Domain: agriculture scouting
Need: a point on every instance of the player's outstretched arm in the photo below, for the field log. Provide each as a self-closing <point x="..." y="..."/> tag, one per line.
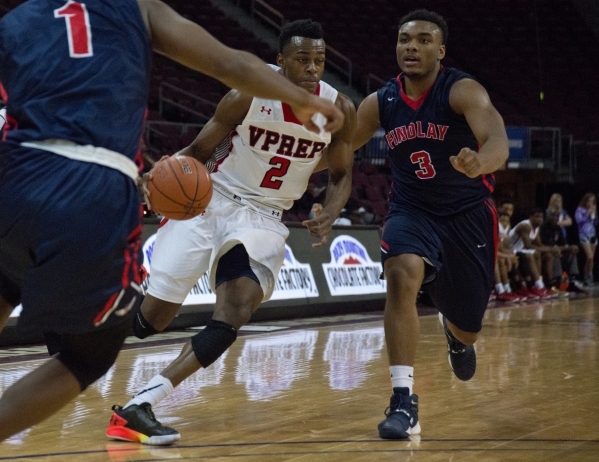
<point x="189" y="44"/>
<point x="469" y="98"/>
<point x="368" y="121"/>
<point x="340" y="160"/>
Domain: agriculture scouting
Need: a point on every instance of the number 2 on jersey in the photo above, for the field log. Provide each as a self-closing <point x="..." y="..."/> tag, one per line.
<point x="282" y="165"/>
<point x="423" y="159"/>
<point x="79" y="32"/>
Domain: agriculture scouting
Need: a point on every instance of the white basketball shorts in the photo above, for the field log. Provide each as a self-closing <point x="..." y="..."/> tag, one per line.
<point x="185" y="250"/>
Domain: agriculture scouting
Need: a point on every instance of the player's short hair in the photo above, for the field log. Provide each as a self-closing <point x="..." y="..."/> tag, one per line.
<point x="299" y="28"/>
<point x="430" y="16"/>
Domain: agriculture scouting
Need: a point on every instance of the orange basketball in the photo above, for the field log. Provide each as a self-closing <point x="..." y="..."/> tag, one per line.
<point x="180" y="188"/>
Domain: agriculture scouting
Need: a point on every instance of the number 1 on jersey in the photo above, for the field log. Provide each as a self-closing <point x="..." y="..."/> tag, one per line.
<point x="79" y="32"/>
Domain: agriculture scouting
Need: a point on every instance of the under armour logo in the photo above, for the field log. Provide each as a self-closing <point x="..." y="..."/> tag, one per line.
<point x="274" y="212"/>
<point x="268" y="111"/>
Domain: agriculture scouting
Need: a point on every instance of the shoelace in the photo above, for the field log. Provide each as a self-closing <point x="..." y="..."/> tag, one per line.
<point x="150" y="413"/>
<point x="393" y="409"/>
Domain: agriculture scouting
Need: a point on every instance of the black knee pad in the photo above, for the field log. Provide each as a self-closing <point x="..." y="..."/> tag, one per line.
<point x="233" y="265"/>
<point x="209" y="344"/>
<point x="89" y="355"/>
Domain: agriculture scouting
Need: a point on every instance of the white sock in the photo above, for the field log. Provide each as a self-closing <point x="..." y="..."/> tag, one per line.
<point x="402" y="376"/>
<point x="539" y="283"/>
<point x="499" y="288"/>
<point x="507" y="288"/>
<point x="155" y="391"/>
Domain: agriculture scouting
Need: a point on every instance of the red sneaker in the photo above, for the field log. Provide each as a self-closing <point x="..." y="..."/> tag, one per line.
<point x="525" y="294"/>
<point x="542" y="293"/>
<point x="508" y="298"/>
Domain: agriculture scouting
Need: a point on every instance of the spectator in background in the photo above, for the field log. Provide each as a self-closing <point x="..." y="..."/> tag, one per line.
<point x="506" y="206"/>
<point x="586" y="220"/>
<point x="524" y="239"/>
<point x="363" y="216"/>
<point x="506" y="263"/>
<point x="556" y="203"/>
<point x="551" y="236"/>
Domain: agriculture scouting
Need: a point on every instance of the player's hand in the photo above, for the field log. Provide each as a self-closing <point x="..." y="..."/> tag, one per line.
<point x="467" y="162"/>
<point x="320" y="226"/>
<point x="334" y="116"/>
<point x="142" y="184"/>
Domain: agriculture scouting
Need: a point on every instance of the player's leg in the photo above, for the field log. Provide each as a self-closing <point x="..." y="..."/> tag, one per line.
<point x="462" y="288"/>
<point x="406" y="241"/>
<point x="36" y="396"/>
<point x="78" y="361"/>
<point x="240" y="283"/>
<point x="589" y="256"/>
<point x="61" y="291"/>
<point x="180" y="257"/>
<point x="238" y="294"/>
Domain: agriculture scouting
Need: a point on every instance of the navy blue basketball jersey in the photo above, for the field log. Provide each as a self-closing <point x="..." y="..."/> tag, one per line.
<point x="422" y="135"/>
<point x="85" y="49"/>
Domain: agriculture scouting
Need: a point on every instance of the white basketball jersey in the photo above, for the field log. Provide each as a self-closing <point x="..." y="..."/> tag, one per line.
<point x="270" y="156"/>
<point x="516" y="240"/>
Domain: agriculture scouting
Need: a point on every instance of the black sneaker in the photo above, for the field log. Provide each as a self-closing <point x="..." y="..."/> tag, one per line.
<point x="138" y="424"/>
<point x="462" y="358"/>
<point x="575" y="289"/>
<point x="402" y="416"/>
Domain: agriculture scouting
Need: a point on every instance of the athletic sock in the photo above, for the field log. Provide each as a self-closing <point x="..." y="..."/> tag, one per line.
<point x="402" y="376"/>
<point x="155" y="391"/>
<point x="507" y="288"/>
<point x="499" y="288"/>
<point x="539" y="283"/>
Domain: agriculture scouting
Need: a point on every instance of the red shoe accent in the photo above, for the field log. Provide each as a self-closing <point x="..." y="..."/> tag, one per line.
<point x="508" y="298"/>
<point x="527" y="294"/>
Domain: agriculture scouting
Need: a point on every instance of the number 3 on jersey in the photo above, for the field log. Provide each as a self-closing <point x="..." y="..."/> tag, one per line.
<point x="281" y="166"/>
<point x="423" y="159"/>
<point x="79" y="32"/>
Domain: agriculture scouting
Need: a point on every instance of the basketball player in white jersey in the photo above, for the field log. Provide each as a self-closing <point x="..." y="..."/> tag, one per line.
<point x="263" y="163"/>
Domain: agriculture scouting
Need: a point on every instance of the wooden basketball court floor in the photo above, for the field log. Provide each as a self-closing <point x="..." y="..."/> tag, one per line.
<point x="315" y="389"/>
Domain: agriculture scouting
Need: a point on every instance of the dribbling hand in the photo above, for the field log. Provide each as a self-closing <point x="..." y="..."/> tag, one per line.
<point x="467" y="162"/>
<point x="142" y="184"/>
<point x="319" y="226"/>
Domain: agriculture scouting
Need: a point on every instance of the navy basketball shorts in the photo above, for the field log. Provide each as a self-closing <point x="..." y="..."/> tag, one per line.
<point x="461" y="250"/>
<point x="69" y="241"/>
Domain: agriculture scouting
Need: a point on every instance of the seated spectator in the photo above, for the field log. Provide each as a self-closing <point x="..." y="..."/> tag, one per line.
<point x="506" y="206"/>
<point x="556" y="203"/>
<point x="551" y="236"/>
<point x="363" y="216"/>
<point x="586" y="219"/>
<point x="524" y="239"/>
<point x="506" y="263"/>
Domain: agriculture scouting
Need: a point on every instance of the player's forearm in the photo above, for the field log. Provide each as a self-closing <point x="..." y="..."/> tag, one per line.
<point x="493" y="153"/>
<point x="337" y="193"/>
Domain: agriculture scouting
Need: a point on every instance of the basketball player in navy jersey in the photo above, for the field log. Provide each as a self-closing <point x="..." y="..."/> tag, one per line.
<point x="267" y="160"/>
<point x="77" y="78"/>
<point x="445" y="139"/>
